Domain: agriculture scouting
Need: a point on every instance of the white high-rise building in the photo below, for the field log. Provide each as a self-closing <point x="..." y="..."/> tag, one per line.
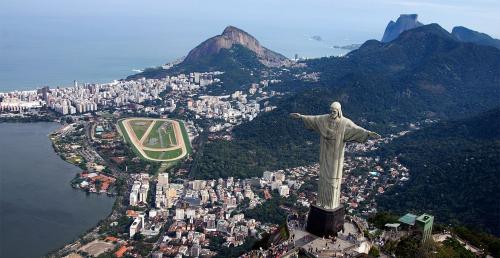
<point x="143" y="194"/>
<point x="179" y="214"/>
<point x="190" y="213"/>
<point x="163" y="180"/>
<point x="268" y="175"/>
<point x="133" y="198"/>
<point x="135" y="227"/>
<point x="279" y="176"/>
<point x="204" y="196"/>
<point x="162" y="187"/>
<point x="276" y="185"/>
<point x="284" y="190"/>
<point x="134" y="193"/>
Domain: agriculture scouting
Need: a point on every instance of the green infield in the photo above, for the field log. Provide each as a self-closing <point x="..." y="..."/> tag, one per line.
<point x="171" y="154"/>
<point x="185" y="137"/>
<point x="140" y="127"/>
<point x="161" y="140"/>
<point x="125" y="135"/>
<point x="161" y="136"/>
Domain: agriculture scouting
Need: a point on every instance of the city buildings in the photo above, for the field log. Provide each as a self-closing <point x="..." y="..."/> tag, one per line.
<point x="139" y="192"/>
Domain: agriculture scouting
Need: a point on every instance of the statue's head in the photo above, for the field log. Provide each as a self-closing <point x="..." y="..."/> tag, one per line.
<point x="336" y="109"/>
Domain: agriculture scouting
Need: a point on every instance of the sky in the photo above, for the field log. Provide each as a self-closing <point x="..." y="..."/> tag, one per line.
<point x="363" y="15"/>
<point x="52" y="41"/>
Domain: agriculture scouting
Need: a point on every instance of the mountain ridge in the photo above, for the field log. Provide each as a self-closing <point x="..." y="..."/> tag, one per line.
<point x="467" y="35"/>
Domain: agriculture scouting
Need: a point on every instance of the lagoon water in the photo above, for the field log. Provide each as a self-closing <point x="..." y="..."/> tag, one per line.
<point x="39" y="211"/>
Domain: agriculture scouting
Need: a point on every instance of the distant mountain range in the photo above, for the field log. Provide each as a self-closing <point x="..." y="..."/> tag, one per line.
<point x="409" y="21"/>
<point x="236" y="51"/>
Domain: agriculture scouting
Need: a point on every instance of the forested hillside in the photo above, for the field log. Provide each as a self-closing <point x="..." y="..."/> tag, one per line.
<point x="454" y="172"/>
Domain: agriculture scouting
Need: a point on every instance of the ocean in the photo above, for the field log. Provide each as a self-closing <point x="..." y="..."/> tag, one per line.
<point x="55" y="50"/>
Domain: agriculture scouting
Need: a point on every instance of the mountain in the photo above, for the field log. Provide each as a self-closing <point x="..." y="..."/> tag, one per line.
<point x="240" y="65"/>
<point x="235" y="52"/>
<point x="424" y="73"/>
<point x="467" y="35"/>
<point x="453" y="172"/>
<point x="233" y="36"/>
<point x="403" y="23"/>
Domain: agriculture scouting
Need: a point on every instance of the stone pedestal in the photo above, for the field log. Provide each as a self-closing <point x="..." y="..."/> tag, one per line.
<point x="325" y="222"/>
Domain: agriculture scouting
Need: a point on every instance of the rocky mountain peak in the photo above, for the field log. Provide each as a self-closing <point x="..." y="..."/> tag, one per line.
<point x="229" y="30"/>
<point x="403" y="23"/>
<point x="232" y="36"/>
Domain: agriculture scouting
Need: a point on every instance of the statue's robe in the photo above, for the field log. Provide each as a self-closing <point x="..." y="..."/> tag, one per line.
<point x="334" y="134"/>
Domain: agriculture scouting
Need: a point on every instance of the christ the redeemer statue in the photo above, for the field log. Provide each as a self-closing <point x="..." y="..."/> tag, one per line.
<point x="334" y="130"/>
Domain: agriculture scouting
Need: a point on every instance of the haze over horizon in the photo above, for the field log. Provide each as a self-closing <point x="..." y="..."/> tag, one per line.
<point x="55" y="42"/>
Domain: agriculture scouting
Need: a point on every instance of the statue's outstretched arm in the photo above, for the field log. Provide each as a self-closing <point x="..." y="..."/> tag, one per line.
<point x="310" y="122"/>
<point x="295" y="115"/>
<point x="357" y="133"/>
<point x="374" y="135"/>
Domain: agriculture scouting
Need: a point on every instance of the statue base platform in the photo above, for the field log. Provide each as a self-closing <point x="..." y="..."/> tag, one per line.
<point x="325" y="222"/>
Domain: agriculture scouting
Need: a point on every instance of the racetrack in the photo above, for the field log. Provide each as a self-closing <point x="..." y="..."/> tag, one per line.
<point x="139" y="143"/>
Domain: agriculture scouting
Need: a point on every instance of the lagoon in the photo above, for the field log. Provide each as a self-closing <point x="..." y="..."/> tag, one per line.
<point x="39" y="210"/>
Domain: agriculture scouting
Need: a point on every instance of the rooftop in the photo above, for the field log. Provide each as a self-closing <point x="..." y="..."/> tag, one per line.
<point x="408" y="219"/>
<point x="425" y="217"/>
<point x="392" y="225"/>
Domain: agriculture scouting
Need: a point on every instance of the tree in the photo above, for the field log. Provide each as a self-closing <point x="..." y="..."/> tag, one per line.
<point x="374" y="251"/>
<point x="381" y="218"/>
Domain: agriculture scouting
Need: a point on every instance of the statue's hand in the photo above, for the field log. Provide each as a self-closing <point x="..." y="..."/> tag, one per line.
<point x="295" y="115"/>
<point x="374" y="135"/>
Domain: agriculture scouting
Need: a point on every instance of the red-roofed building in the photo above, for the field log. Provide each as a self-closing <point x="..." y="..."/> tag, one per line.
<point x="118" y="160"/>
<point x="111" y="239"/>
<point x="104" y="186"/>
<point x="267" y="195"/>
<point x="132" y="214"/>
<point x="123" y="249"/>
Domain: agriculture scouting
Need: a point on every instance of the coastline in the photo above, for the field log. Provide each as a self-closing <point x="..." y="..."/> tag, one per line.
<point x="86" y="139"/>
<point x="60" y="251"/>
<point x="26" y="120"/>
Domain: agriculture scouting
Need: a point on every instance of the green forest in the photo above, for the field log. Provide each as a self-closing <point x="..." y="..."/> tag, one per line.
<point x="453" y="172"/>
